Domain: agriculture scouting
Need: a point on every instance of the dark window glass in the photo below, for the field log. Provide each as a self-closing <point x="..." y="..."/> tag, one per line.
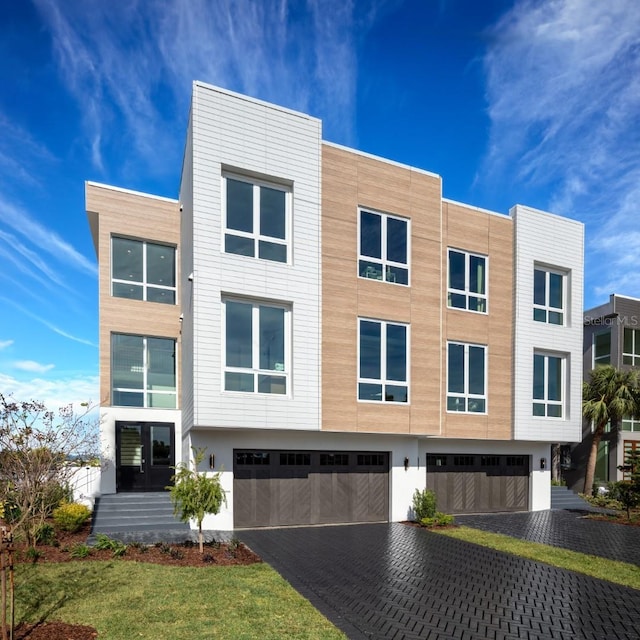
<point x="334" y="459"/>
<point x="463" y="461"/>
<point x="239" y="205"/>
<point x="397" y="240"/>
<point x="239" y="335"/>
<point x="370" y="340"/>
<point x="538" y="377"/>
<point x="539" y="287"/>
<point x="371" y="459"/>
<point x="295" y="459"/>
<point x="456" y="270"/>
<point x="271" y="338"/>
<point x="127" y="257"/>
<point x="370" y="235"/>
<point x="476" y="370"/>
<point x="272" y="213"/>
<point x="253" y="457"/>
<point x="396" y="352"/>
<point x="437" y="461"/>
<point x="455" y="379"/>
<point x="161" y="265"/>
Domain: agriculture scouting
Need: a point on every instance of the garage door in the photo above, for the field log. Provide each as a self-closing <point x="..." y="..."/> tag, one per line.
<point x="276" y="488"/>
<point x="466" y="483"/>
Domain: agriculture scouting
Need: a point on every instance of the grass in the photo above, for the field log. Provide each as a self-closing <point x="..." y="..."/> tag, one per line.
<point x="125" y="600"/>
<point x="621" y="573"/>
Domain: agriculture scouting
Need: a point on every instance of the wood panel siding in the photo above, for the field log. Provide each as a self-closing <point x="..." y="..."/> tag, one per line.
<point x="351" y="180"/>
<point x="117" y="212"/>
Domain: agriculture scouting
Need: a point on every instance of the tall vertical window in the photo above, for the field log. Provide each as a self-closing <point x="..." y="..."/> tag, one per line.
<point x="467" y="281"/>
<point x="143" y="371"/>
<point x="602" y="348"/>
<point x="466" y="377"/>
<point x="548" y="385"/>
<point x="383" y="349"/>
<point x="256" y="219"/>
<point x="548" y="296"/>
<point x="631" y="347"/>
<point x="384" y="248"/>
<point x="143" y="270"/>
<point x="256" y="347"/>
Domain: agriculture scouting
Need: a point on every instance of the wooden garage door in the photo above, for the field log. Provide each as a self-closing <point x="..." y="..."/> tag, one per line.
<point x="477" y="483"/>
<point x="277" y="488"/>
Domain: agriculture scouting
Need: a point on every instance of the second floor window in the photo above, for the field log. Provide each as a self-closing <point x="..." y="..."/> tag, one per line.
<point x="466" y="377"/>
<point x="631" y="347"/>
<point x="143" y="270"/>
<point x="548" y="385"/>
<point x="256" y="347"/>
<point x="143" y="371"/>
<point x="256" y="219"/>
<point x="548" y="296"/>
<point x="467" y="281"/>
<point x="384" y="247"/>
<point x="383" y="350"/>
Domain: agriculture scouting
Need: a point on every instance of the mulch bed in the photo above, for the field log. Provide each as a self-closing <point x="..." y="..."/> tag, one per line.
<point x="184" y="555"/>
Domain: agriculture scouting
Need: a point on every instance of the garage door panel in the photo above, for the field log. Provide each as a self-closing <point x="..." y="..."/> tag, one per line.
<point x="479" y="483"/>
<point x="309" y="487"/>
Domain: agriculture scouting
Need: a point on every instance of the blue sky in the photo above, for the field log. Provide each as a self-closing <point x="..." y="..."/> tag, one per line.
<point x="523" y="101"/>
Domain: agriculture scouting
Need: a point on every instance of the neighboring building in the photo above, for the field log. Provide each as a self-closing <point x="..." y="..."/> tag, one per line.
<point x="611" y="336"/>
<point x="333" y="331"/>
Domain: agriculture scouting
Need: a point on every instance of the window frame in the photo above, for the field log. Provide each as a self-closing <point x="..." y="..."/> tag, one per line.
<point x="466" y="292"/>
<point x="546" y="307"/>
<point x="255" y="370"/>
<point x="144" y="283"/>
<point x="255" y="235"/>
<point x="145" y="391"/>
<point x="384" y="380"/>
<point x="385" y="263"/>
<point x="596" y="360"/>
<point x="635" y="339"/>
<point x="466" y="395"/>
<point x="546" y="402"/>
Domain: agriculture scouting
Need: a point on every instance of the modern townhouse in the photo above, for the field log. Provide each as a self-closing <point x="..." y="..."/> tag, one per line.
<point x="611" y="336"/>
<point x="331" y="329"/>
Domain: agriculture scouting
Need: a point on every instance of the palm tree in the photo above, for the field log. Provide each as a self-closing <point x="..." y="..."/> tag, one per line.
<point x="608" y="396"/>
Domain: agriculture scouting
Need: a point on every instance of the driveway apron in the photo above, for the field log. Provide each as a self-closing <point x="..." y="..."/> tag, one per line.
<point x="393" y="581"/>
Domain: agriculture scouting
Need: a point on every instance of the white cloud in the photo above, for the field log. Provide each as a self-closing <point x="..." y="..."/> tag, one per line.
<point x="130" y="65"/>
<point x="32" y="366"/>
<point x="52" y="393"/>
<point x="563" y="90"/>
<point x="5" y="343"/>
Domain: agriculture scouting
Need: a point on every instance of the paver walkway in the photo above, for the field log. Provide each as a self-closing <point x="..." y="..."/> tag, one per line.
<point x="566" y="529"/>
<point x="392" y="581"/>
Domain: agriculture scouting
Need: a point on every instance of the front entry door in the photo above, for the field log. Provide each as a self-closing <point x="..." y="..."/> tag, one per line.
<point x="145" y="455"/>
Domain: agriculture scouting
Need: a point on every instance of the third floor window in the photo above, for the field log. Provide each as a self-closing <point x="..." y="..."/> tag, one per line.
<point x="548" y="296"/>
<point x="467" y="281"/>
<point x="384" y="248"/>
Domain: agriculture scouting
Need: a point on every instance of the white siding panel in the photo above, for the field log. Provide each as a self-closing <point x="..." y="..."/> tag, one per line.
<point x="543" y="238"/>
<point x="256" y="138"/>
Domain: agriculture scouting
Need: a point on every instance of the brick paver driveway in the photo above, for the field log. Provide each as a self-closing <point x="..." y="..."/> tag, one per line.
<point x="388" y="581"/>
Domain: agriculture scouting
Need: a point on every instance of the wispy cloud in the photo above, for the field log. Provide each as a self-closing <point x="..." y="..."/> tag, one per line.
<point x="47" y="323"/>
<point x="32" y="366"/>
<point x="5" y="343"/>
<point x="131" y="65"/>
<point x="563" y="90"/>
<point x="53" y="393"/>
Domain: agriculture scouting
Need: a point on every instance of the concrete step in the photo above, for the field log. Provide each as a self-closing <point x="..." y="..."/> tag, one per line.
<point x="131" y="512"/>
<point x="564" y="498"/>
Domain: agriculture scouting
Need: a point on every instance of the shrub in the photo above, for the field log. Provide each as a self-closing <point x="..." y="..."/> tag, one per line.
<point x="46" y="534"/>
<point x="438" y="519"/>
<point x="80" y="551"/>
<point x="424" y="504"/>
<point x="104" y="542"/>
<point x="33" y="555"/>
<point x="71" y="516"/>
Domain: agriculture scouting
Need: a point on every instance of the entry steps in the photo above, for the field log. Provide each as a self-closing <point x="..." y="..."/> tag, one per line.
<point x="120" y="513"/>
<point x="564" y="498"/>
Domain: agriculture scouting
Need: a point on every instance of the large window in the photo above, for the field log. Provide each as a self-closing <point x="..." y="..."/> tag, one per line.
<point x="257" y="219"/>
<point x="143" y="270"/>
<point x="631" y="347"/>
<point x="383" y="361"/>
<point x="602" y="348"/>
<point x="256" y="347"/>
<point x="384" y="248"/>
<point x="467" y="281"/>
<point x="630" y="424"/>
<point x="143" y="371"/>
<point x="466" y="377"/>
<point x="548" y="296"/>
<point x="548" y="385"/>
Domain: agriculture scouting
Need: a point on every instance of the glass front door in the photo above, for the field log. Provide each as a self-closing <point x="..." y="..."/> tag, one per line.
<point x="145" y="455"/>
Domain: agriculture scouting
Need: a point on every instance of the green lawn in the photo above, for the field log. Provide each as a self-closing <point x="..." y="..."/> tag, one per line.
<point x="622" y="573"/>
<point x="124" y="600"/>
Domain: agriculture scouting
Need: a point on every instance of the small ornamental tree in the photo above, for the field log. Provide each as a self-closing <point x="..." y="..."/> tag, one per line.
<point x="628" y="491"/>
<point x="38" y="448"/>
<point x="195" y="494"/>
